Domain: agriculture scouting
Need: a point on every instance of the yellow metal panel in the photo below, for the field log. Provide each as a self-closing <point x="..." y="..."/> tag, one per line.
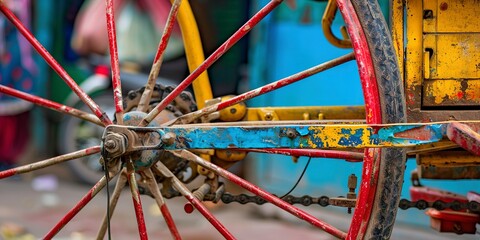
<point x="449" y="92"/>
<point x="414" y="56"/>
<point x="455" y="56"/>
<point x="452" y="16"/>
<point x="194" y="52"/>
<point x="398" y="31"/>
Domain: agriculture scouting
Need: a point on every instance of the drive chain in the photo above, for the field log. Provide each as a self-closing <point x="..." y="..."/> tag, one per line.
<point x="471" y="206"/>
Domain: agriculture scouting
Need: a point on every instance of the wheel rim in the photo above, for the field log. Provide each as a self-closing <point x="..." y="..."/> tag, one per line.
<point x="367" y="74"/>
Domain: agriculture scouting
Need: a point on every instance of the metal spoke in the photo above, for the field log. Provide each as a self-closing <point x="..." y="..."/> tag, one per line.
<point x="154" y="189"/>
<point x="179" y="186"/>
<point x="187" y="118"/>
<point x="49" y="162"/>
<point x="121" y="182"/>
<point x="51" y="105"/>
<point x="79" y="206"/>
<point x="211" y="59"/>
<point x="137" y="203"/>
<point x="55" y="65"/>
<point x="262" y="193"/>
<point x="157" y="62"/>
<point x="116" y="83"/>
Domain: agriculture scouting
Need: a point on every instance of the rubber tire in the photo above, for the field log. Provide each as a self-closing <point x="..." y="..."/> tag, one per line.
<point x="390" y="90"/>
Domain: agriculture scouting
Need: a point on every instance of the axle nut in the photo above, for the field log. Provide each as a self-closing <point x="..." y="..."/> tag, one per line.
<point x="115" y="144"/>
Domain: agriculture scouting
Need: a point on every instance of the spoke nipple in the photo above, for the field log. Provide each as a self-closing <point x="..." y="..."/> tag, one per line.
<point x="188" y="208"/>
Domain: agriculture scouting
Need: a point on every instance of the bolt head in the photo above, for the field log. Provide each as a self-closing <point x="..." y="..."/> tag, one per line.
<point x="168" y="139"/>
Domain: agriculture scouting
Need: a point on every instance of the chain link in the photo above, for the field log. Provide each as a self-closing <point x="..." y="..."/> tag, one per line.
<point x="323" y="201"/>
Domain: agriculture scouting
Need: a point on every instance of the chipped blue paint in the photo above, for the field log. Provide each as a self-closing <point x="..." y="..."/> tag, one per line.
<point x="353" y="139"/>
<point x="201" y="137"/>
<point x="387" y="134"/>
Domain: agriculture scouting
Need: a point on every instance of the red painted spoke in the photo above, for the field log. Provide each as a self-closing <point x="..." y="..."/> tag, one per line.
<point x="55" y="65"/>
<point x="51" y="105"/>
<point x="116" y="83"/>
<point x="49" y="162"/>
<point x="79" y="206"/>
<point x="262" y="193"/>
<point x="179" y="186"/>
<point x="187" y="118"/>
<point x="317" y="153"/>
<point x="121" y="182"/>
<point x="155" y="190"/>
<point x="211" y="59"/>
<point x="137" y="203"/>
<point x="157" y="62"/>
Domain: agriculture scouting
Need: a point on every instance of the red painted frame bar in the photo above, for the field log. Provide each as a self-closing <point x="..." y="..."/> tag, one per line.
<point x="261" y="193"/>
<point x="55" y="65"/>
<point x="82" y="203"/>
<point x="51" y="105"/>
<point x="240" y="33"/>
<point x="317" y="153"/>
<point x="371" y="161"/>
<point x="112" y="44"/>
<point x="143" y="105"/>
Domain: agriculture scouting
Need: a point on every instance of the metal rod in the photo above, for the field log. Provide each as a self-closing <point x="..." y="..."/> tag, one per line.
<point x="262" y="193"/>
<point x="317" y="153"/>
<point x="211" y="59"/>
<point x="137" y="203"/>
<point x="112" y="43"/>
<point x="157" y="62"/>
<point x="49" y="162"/>
<point x="121" y="182"/>
<point x="79" y="206"/>
<point x="179" y="186"/>
<point x="154" y="189"/>
<point x="55" y="65"/>
<point x="51" y="105"/>
<point x="187" y="118"/>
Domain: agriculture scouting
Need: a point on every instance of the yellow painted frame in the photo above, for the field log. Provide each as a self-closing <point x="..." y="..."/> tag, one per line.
<point x="194" y="52"/>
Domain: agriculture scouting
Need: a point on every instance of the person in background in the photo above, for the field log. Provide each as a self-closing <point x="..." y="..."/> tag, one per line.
<point x="17" y="70"/>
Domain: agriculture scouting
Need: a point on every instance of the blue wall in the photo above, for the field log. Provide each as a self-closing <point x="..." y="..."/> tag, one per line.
<point x="291" y="41"/>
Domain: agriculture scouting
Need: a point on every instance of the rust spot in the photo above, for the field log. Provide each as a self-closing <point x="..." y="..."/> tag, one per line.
<point x="443" y="6"/>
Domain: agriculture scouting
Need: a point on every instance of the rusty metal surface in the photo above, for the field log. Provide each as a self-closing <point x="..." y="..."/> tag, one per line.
<point x="433" y="172"/>
<point x="441" y="58"/>
<point x="450" y="158"/>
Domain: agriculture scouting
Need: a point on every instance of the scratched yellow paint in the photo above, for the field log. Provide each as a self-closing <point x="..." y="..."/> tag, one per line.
<point x="452" y="16"/>
<point x="331" y="136"/>
<point x="299" y="113"/>
<point x="451" y="92"/>
<point x="454" y="56"/>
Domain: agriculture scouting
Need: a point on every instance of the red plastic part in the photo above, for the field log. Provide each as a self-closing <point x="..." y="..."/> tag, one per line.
<point x="433" y="194"/>
<point x="450" y="221"/>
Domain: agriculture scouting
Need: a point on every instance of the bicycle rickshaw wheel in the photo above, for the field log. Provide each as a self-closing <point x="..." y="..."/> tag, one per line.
<point x="382" y="177"/>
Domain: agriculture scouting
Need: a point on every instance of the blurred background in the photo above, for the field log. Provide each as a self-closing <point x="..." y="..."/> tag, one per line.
<point x="284" y="43"/>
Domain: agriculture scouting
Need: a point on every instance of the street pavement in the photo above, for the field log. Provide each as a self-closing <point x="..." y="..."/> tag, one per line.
<point x="31" y="205"/>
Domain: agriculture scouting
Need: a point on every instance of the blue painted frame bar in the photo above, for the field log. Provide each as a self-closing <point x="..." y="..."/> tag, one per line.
<point x="304" y="136"/>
